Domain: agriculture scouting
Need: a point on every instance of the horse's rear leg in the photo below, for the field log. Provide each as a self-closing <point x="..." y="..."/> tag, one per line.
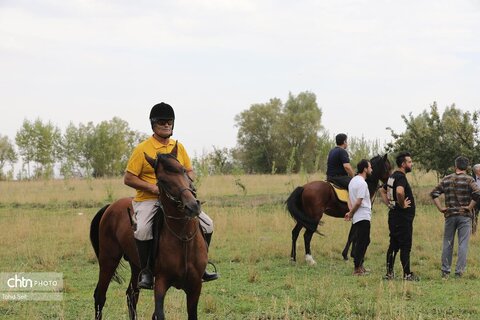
<point x="307" y="237"/>
<point x="295" y="233"/>
<point x="347" y="245"/>
<point x="133" y="292"/>
<point x="107" y="269"/>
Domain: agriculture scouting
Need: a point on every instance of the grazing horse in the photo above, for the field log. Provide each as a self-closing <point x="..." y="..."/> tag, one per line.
<point x="307" y="204"/>
<point x="181" y="257"/>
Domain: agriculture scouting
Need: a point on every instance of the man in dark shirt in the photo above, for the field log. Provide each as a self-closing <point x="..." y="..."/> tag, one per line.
<point x="339" y="170"/>
<point x="461" y="193"/>
<point x="400" y="217"/>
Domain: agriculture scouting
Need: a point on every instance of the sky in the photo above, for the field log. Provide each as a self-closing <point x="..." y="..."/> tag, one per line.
<point x="368" y="62"/>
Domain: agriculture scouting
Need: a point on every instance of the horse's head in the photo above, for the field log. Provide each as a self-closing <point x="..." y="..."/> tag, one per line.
<point x="174" y="184"/>
<point x="381" y="168"/>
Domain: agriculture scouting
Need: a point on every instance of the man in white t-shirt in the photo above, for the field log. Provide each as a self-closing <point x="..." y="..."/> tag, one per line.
<point x="360" y="213"/>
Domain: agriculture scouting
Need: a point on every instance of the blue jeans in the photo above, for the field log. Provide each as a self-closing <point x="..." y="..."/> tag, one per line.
<point x="463" y="226"/>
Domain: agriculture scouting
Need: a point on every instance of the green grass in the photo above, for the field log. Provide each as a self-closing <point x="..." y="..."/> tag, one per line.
<point x="251" y="248"/>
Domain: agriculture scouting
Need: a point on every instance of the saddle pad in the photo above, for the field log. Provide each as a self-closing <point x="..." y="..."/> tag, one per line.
<point x="342" y="194"/>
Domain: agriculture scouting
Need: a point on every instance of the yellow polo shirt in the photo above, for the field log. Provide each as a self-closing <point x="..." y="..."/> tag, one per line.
<point x="138" y="165"/>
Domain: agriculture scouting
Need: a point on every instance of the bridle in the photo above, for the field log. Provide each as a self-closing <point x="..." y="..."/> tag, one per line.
<point x="183" y="236"/>
<point x="179" y="205"/>
<point x="177" y="200"/>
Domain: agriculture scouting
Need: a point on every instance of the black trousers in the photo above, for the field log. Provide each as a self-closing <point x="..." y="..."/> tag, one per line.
<point x="401" y="230"/>
<point x="341" y="181"/>
<point x="362" y="232"/>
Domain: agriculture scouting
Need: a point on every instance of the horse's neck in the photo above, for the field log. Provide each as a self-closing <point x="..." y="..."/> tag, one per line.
<point x="372" y="186"/>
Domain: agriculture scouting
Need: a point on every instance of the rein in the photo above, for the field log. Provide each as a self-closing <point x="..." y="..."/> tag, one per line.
<point x="181" y="207"/>
<point x="183" y="236"/>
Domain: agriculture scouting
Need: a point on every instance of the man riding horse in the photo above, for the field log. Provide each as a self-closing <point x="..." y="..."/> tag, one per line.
<point x="339" y="170"/>
<point x="141" y="176"/>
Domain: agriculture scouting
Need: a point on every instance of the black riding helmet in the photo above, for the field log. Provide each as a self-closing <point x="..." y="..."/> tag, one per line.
<point x="162" y="111"/>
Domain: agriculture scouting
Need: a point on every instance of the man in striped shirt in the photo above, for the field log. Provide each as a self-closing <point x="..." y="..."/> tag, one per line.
<point x="461" y="193"/>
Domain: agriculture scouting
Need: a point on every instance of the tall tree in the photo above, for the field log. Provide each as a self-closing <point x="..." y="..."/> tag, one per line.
<point x="361" y="148"/>
<point x="298" y="131"/>
<point x="274" y="137"/>
<point x="7" y="154"/>
<point x="76" y="157"/>
<point x="39" y="143"/>
<point x="110" y="146"/>
<point x="257" y="135"/>
<point x="436" y="140"/>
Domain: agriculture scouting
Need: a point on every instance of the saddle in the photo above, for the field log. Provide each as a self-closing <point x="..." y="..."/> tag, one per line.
<point x="341" y="194"/>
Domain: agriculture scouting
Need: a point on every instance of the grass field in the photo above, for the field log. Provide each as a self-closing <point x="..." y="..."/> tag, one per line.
<point x="44" y="228"/>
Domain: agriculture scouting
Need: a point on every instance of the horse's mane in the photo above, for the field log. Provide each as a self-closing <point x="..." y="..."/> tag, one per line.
<point x="377" y="166"/>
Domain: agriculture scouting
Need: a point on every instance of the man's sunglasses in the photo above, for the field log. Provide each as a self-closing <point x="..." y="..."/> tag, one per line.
<point x="163" y="122"/>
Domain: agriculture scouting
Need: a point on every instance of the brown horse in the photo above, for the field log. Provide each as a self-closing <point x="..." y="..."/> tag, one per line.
<point x="182" y="253"/>
<point x="307" y="204"/>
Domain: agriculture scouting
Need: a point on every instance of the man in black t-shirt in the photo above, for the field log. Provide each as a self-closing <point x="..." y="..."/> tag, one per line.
<point x="400" y="216"/>
<point x="339" y="170"/>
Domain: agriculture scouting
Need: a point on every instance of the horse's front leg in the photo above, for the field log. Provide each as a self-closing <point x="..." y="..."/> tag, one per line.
<point x="193" y="295"/>
<point x="160" y="291"/>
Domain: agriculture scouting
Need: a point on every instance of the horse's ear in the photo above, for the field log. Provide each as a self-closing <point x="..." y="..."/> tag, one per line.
<point x="150" y="160"/>
<point x="174" y="151"/>
<point x="385" y="157"/>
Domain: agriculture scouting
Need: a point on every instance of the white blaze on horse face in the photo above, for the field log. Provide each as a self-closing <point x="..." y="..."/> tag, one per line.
<point x="309" y="260"/>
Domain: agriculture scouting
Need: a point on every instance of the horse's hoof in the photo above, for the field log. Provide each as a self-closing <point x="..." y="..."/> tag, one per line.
<point x="309" y="260"/>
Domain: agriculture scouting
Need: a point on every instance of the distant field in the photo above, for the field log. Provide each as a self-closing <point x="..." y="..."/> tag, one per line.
<point x="45" y="227"/>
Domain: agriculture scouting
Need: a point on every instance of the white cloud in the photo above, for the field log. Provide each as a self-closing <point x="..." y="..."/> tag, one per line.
<point x="120" y="57"/>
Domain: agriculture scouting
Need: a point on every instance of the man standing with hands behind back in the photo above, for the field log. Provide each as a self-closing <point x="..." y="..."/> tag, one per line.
<point x="461" y="192"/>
<point x="360" y="213"/>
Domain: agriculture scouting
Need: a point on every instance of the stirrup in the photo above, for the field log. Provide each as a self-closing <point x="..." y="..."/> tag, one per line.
<point x="145" y="279"/>
<point x="210" y="276"/>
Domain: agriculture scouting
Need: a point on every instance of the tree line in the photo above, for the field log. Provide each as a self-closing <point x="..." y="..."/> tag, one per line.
<point x="86" y="150"/>
<point x="272" y="137"/>
<point x="435" y="139"/>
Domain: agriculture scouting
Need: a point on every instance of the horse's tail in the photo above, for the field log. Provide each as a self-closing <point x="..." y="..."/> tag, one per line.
<point x="295" y="207"/>
<point x="94" y="229"/>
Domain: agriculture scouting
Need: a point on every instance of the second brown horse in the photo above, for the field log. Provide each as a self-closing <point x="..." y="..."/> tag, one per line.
<point x="308" y="203"/>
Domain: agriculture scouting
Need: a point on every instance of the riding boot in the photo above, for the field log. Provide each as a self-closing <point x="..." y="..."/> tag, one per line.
<point x="207" y="276"/>
<point x="144" y="248"/>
